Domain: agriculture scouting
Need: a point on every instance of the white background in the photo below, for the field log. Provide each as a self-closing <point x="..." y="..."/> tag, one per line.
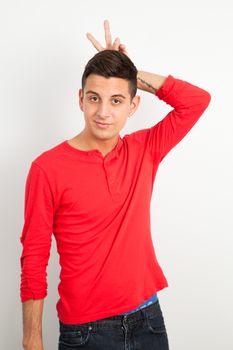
<point x="43" y="52"/>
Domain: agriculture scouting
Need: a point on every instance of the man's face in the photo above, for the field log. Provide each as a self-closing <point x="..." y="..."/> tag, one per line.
<point x="107" y="101"/>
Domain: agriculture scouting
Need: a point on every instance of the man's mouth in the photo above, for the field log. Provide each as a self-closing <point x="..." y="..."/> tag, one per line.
<point x="102" y="125"/>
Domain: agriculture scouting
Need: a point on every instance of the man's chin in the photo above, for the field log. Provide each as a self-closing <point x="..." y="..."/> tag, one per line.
<point x="104" y="135"/>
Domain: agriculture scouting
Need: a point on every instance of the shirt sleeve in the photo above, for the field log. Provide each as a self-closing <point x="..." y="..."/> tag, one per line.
<point x="189" y="102"/>
<point x="36" y="236"/>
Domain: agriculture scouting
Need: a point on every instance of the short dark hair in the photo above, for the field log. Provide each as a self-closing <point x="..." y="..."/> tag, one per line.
<point x="112" y="63"/>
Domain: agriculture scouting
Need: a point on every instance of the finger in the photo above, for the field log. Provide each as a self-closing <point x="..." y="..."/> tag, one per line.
<point x="125" y="52"/>
<point x="116" y="44"/>
<point x="96" y="44"/>
<point x="108" y="37"/>
<point x="122" y="48"/>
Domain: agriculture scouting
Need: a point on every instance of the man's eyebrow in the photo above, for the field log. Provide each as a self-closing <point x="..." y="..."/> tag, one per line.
<point x="96" y="93"/>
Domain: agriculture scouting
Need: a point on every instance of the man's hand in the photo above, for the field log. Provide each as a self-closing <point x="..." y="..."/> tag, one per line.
<point x="109" y="45"/>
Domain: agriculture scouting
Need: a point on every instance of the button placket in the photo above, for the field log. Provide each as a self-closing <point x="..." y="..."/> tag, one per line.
<point x="112" y="181"/>
<point x="109" y="174"/>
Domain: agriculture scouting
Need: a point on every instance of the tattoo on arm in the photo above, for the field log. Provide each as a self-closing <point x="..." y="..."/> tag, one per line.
<point x="149" y="85"/>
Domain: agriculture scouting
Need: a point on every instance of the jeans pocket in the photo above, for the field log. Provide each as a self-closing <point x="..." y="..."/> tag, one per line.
<point x="155" y="328"/>
<point x="155" y="322"/>
<point x="74" y="338"/>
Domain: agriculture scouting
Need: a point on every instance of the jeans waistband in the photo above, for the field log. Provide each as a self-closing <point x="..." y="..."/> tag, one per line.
<point x="147" y="312"/>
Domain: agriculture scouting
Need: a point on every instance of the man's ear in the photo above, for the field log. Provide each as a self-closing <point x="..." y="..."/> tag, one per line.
<point x="134" y="104"/>
<point x="81" y="99"/>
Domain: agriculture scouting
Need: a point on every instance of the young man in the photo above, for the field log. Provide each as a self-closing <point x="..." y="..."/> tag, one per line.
<point x="93" y="193"/>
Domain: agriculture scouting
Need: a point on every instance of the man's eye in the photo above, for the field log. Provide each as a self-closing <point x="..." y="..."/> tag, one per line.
<point x="115" y="99"/>
<point x="93" y="97"/>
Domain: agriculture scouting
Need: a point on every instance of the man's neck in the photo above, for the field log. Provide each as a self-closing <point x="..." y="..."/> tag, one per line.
<point x="84" y="143"/>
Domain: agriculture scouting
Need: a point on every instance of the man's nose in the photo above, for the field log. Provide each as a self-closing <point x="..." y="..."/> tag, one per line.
<point x="104" y="110"/>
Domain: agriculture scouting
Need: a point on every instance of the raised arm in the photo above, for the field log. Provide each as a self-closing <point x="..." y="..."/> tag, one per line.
<point x="189" y="102"/>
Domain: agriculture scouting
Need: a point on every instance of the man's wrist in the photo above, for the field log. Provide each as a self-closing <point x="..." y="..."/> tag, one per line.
<point x="149" y="82"/>
<point x="144" y="85"/>
<point x="34" y="344"/>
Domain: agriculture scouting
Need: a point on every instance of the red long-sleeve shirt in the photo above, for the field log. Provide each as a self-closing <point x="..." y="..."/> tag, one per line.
<point x="98" y="209"/>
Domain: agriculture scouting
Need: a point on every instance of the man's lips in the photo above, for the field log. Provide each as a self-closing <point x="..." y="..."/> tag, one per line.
<point x="102" y="123"/>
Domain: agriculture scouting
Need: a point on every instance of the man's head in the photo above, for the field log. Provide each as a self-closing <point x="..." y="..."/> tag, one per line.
<point x="108" y="94"/>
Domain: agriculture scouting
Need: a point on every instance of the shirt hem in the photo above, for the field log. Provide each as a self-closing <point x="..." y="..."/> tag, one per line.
<point x="100" y="315"/>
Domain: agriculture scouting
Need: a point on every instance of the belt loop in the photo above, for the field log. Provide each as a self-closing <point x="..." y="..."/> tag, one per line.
<point x="143" y="314"/>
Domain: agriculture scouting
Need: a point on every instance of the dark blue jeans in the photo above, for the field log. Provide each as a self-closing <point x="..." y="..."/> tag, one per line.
<point x="144" y="329"/>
